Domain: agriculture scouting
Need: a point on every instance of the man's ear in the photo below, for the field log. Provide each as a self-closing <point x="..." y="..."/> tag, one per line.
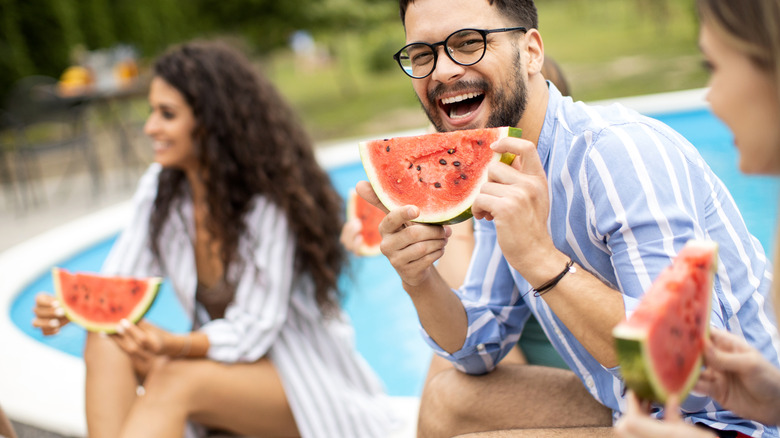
<point x="534" y="48"/>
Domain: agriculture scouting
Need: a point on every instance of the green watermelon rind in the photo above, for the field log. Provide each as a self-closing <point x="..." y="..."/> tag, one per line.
<point x="454" y="215"/>
<point x="634" y="357"/>
<point x="153" y="286"/>
<point x="364" y="250"/>
<point x="637" y="369"/>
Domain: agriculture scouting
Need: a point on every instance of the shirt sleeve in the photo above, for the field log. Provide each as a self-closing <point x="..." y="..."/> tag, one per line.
<point x="643" y="190"/>
<point x="256" y="315"/>
<point x="131" y="254"/>
<point x="494" y="307"/>
<point x="644" y="206"/>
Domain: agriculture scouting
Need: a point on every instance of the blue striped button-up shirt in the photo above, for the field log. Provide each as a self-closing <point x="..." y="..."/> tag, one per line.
<point x="626" y="193"/>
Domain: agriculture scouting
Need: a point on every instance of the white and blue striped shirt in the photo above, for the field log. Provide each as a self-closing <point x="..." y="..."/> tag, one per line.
<point x="626" y="193"/>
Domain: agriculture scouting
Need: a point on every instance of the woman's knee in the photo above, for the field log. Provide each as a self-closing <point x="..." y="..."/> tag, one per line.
<point x="170" y="381"/>
<point x="102" y="350"/>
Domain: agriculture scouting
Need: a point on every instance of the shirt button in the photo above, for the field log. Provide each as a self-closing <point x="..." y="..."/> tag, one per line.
<point x="589" y="382"/>
<point x="481" y="348"/>
<point x="558" y="331"/>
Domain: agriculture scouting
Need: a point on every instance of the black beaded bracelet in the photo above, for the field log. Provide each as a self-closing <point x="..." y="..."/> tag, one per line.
<point x="539" y="291"/>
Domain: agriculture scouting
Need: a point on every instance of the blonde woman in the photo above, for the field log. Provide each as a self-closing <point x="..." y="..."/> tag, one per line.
<point x="740" y="41"/>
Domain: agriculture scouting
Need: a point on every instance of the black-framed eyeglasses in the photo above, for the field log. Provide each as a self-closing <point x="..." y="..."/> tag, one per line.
<point x="464" y="47"/>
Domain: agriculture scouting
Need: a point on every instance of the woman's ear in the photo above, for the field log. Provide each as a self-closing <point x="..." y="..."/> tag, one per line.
<point x="534" y="48"/>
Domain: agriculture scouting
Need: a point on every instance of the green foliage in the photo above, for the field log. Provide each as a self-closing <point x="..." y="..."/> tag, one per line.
<point x="607" y="48"/>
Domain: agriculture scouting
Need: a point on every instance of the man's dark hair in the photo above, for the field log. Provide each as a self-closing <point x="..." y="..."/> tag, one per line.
<point x="522" y="12"/>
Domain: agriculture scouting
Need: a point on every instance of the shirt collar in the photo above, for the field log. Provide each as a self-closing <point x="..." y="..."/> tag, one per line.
<point x="546" y="137"/>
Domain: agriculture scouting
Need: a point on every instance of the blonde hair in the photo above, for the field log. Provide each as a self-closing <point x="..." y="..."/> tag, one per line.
<point x="753" y="28"/>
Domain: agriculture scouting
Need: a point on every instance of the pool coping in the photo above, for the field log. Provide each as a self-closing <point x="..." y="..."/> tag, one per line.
<point x="30" y="385"/>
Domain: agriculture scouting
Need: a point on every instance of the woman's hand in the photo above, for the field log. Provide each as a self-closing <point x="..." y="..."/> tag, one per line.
<point x="739" y="378"/>
<point x="49" y="314"/>
<point x="142" y="342"/>
<point x="637" y="423"/>
<point x="350" y="235"/>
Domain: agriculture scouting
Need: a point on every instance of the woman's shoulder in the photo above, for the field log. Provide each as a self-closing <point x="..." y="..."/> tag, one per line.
<point x="147" y="185"/>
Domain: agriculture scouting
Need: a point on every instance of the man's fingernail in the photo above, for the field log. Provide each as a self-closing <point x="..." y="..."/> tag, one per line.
<point x="54" y="323"/>
<point x="59" y="311"/>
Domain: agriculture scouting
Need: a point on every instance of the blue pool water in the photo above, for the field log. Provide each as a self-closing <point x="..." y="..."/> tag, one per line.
<point x="385" y="322"/>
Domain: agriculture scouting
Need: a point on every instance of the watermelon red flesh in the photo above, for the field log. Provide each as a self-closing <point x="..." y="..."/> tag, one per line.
<point x="369" y="217"/>
<point x="98" y="303"/>
<point x="440" y="173"/>
<point x="660" y="345"/>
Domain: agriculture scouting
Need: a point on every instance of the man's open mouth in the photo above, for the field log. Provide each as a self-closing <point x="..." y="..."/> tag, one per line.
<point x="462" y="105"/>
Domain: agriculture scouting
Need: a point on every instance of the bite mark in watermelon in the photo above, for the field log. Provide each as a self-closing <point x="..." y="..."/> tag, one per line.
<point x="660" y="345"/>
<point x="370" y="217"/>
<point x="440" y="173"/>
<point x="98" y="302"/>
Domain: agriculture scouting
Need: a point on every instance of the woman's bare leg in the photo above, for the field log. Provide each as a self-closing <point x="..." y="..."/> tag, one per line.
<point x="110" y="386"/>
<point x="247" y="399"/>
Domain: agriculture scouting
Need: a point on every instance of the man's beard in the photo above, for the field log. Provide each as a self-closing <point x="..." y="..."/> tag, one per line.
<point x="508" y="104"/>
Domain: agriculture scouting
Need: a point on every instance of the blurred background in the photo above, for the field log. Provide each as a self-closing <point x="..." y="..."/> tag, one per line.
<point x="74" y="75"/>
<point x="332" y="58"/>
<point x="73" y="78"/>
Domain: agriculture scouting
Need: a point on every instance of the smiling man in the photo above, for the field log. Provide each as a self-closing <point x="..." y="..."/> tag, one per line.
<point x="598" y="201"/>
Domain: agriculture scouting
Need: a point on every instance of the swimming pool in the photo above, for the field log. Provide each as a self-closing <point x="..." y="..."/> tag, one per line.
<point x="384" y="318"/>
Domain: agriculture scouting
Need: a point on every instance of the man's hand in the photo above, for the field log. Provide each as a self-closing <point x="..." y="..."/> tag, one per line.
<point x="515" y="198"/>
<point x="410" y="247"/>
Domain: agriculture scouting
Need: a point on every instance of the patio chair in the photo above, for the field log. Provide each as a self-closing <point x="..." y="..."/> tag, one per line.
<point x="44" y="123"/>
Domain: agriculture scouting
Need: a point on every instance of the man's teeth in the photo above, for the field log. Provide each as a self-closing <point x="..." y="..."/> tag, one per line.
<point x="459" y="98"/>
<point x="458" y="116"/>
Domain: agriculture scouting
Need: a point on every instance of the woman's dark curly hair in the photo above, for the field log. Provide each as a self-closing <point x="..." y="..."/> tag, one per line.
<point x="248" y="143"/>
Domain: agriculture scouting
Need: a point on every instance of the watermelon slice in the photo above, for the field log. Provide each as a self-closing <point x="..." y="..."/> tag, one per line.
<point x="660" y="345"/>
<point x="369" y="216"/>
<point x="98" y="302"/>
<point x="440" y="173"/>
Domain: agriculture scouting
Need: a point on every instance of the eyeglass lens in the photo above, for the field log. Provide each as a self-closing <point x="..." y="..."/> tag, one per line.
<point x="465" y="47"/>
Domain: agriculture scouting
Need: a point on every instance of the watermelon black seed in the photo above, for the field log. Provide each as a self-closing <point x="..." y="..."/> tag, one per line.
<point x="419" y="168"/>
<point x="410" y="165"/>
<point x="443" y="162"/>
<point x="456" y="163"/>
<point x="480" y="142"/>
<point x="420" y="179"/>
<point x="457" y="181"/>
<point x="437" y="185"/>
<point x="387" y="149"/>
<point x="463" y="176"/>
<point x="450" y="151"/>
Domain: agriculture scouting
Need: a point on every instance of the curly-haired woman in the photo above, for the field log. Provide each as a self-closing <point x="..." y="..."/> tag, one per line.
<point x="239" y="216"/>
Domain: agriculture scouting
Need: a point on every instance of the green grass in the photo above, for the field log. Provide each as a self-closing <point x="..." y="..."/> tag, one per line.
<point x="607" y="49"/>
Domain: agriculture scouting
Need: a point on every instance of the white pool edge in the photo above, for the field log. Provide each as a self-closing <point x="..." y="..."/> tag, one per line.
<point x="35" y="393"/>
